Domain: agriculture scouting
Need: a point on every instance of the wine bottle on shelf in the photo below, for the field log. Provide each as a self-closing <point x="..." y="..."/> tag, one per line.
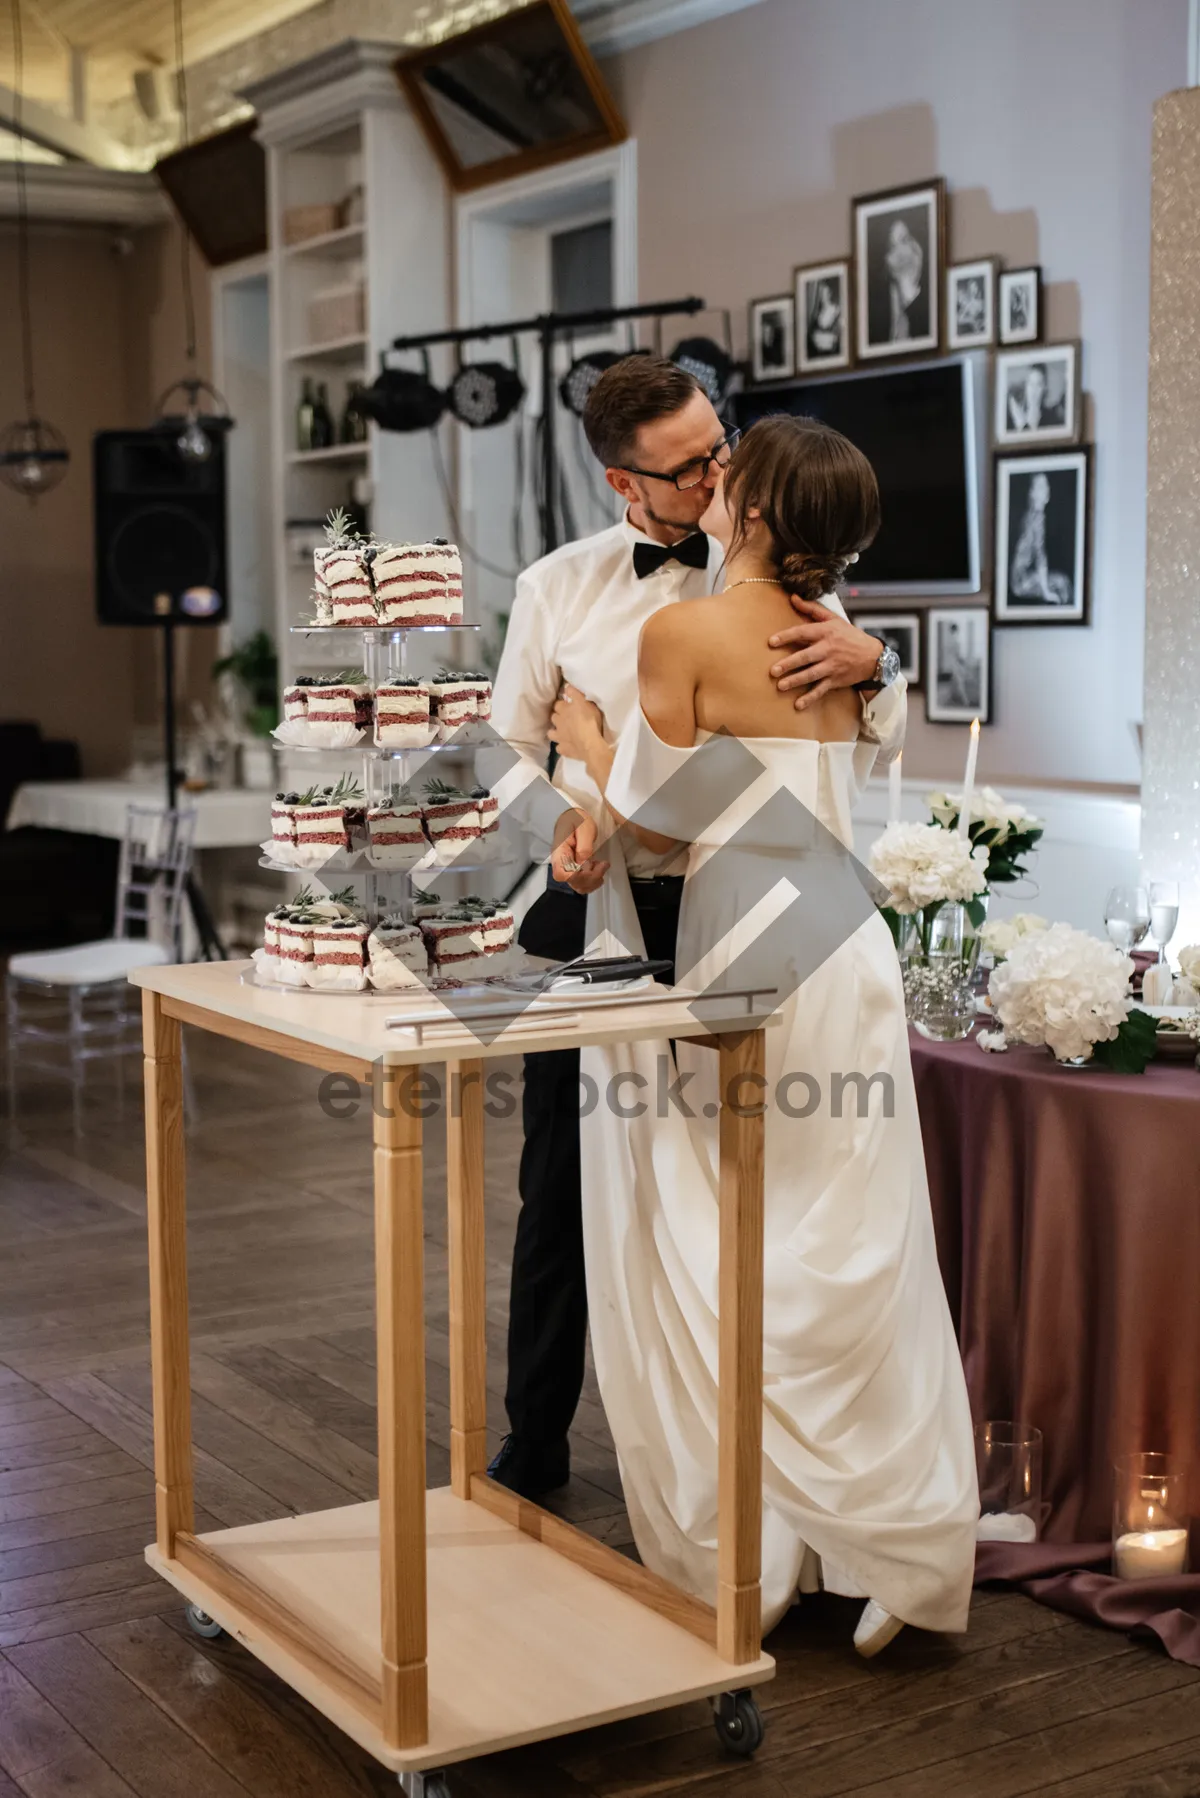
<point x="305" y="416"/>
<point x="354" y="424"/>
<point x="322" y="428"/>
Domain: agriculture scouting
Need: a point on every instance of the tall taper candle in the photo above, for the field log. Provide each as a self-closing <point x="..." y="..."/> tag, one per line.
<point x="894" y="790"/>
<point x="964" y="810"/>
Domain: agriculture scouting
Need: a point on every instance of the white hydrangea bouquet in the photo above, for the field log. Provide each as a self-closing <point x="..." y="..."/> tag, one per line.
<point x="1007" y="830"/>
<point x="924" y="868"/>
<point x="1069" y="991"/>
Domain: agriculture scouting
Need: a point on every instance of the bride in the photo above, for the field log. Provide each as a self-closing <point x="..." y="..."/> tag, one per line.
<point x="868" y="1463"/>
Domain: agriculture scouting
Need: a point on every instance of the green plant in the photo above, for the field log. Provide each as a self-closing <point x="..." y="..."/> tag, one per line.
<point x="254" y="665"/>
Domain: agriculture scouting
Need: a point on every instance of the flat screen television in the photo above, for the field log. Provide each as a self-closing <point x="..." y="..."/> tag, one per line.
<point x="921" y="428"/>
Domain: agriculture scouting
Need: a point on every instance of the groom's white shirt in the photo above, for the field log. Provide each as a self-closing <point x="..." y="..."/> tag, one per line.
<point x="577" y="616"/>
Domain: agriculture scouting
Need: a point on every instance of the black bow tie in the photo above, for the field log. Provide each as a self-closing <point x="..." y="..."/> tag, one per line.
<point x="648" y="558"/>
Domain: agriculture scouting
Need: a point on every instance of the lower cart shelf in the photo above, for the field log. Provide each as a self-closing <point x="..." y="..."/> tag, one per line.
<point x="524" y="1643"/>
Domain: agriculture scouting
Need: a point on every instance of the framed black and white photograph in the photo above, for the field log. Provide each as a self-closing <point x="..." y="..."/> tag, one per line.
<point x="1020" y="305"/>
<point x="773" y="338"/>
<point x="958" y="665"/>
<point x="1042" y="518"/>
<point x="971" y="305"/>
<point x="822" y="317"/>
<point x="901" y="631"/>
<point x="1037" y="396"/>
<point x="899" y="259"/>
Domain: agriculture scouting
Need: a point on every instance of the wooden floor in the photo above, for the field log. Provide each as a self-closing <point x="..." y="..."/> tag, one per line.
<point x="105" y="1693"/>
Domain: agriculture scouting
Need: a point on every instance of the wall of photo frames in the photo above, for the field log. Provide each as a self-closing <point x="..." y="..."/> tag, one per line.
<point x="898" y="297"/>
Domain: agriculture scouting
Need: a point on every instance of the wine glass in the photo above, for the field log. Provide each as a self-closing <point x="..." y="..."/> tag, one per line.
<point x="1127" y="916"/>
<point x="1164" y="914"/>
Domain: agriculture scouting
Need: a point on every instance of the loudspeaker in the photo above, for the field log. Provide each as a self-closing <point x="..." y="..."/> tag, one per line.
<point x="160" y="529"/>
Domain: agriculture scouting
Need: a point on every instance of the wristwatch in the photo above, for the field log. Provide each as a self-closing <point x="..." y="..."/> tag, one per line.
<point x="887" y="668"/>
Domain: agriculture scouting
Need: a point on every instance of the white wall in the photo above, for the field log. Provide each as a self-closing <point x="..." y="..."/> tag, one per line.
<point x="755" y="130"/>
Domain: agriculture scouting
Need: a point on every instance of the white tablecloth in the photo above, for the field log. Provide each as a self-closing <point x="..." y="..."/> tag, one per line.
<point x="234" y="819"/>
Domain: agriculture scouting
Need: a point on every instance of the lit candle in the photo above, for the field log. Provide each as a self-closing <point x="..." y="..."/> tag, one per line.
<point x="1151" y="1554"/>
<point x="894" y="790"/>
<point x="964" y="810"/>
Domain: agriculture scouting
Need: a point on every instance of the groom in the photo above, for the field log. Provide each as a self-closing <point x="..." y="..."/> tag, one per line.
<point x="576" y="618"/>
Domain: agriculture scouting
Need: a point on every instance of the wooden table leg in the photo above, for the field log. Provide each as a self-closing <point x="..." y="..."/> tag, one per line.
<point x="739" y="1428"/>
<point x="400" y="1338"/>
<point x="166" y="1211"/>
<point x="468" y="1276"/>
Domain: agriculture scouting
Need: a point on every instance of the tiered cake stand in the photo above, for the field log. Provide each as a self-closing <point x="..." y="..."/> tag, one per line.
<point x="386" y="772"/>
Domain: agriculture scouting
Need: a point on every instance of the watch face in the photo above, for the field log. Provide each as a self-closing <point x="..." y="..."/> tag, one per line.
<point x="889" y="666"/>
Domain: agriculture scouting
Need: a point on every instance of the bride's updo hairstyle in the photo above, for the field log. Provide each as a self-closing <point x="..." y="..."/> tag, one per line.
<point x="815" y="493"/>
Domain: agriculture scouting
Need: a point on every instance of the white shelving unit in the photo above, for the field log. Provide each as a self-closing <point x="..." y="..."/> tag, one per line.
<point x="334" y="126"/>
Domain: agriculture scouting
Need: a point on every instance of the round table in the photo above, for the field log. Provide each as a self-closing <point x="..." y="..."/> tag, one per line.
<point x="1066" y="1204"/>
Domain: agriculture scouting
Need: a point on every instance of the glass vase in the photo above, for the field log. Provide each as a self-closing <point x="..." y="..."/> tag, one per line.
<point x="939" y="974"/>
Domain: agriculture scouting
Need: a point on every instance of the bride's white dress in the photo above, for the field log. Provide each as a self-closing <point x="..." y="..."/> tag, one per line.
<point x="868" y="1458"/>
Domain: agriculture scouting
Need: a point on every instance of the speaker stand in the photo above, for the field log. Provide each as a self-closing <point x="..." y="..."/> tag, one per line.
<point x="210" y="942"/>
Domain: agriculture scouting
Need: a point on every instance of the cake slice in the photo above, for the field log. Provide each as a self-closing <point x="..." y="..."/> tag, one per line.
<point x="295" y="948"/>
<point x="456" y="945"/>
<point x="351" y="597"/>
<point x="397" y="956"/>
<point x="395" y="834"/>
<point x="459" y="699"/>
<point x="339" y="955"/>
<point x="283" y="828"/>
<point x="489" y="810"/>
<point x="402" y="713"/>
<point x="418" y="583"/>
<point x="329" y="819"/>
<point x="338" y="708"/>
<point x="451" y="818"/>
<point x="295" y="703"/>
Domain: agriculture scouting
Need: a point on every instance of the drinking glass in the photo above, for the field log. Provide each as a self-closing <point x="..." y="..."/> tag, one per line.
<point x="1127" y="916"/>
<point x="1164" y="914"/>
<point x="1008" y="1459"/>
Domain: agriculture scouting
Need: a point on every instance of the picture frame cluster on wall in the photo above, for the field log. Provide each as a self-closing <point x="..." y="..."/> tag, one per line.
<point x="946" y="652"/>
<point x="896" y="296"/>
<point x="893" y="295"/>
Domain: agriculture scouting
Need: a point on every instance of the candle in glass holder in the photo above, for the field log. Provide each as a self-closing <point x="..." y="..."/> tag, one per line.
<point x="1150" y="1538"/>
<point x="1150" y="1554"/>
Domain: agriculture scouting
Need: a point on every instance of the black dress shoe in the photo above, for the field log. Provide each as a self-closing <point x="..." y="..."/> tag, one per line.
<point x="531" y="1469"/>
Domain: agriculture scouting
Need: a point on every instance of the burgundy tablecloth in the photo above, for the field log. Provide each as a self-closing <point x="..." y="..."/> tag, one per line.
<point x="1067" y="1209"/>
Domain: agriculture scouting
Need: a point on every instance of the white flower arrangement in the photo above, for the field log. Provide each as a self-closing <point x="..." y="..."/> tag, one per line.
<point x="1006" y="829"/>
<point x="923" y="865"/>
<point x="1062" y="988"/>
<point x="1189" y="964"/>
<point x="1000" y="935"/>
<point x="1007" y="817"/>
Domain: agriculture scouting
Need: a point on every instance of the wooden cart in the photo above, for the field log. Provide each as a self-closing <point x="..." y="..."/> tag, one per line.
<point x="435" y="1626"/>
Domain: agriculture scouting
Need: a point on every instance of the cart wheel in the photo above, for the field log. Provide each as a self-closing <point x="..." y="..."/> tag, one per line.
<point x="425" y="1785"/>
<point x="738" y="1723"/>
<point x="202" y="1623"/>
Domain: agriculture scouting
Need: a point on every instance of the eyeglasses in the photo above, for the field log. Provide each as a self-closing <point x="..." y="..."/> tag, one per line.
<point x="695" y="471"/>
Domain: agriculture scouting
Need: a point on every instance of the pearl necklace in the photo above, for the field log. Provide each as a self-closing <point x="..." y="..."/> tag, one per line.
<point x="753" y="580"/>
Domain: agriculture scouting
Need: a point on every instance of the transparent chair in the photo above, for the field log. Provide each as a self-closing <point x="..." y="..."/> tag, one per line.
<point x="66" y="1007"/>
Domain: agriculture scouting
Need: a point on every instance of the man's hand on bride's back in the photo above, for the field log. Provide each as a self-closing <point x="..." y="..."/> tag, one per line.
<point x="572" y="860"/>
<point x="826" y="653"/>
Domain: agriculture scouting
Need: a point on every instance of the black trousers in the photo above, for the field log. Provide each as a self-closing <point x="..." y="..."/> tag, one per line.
<point x="547" y="1315"/>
